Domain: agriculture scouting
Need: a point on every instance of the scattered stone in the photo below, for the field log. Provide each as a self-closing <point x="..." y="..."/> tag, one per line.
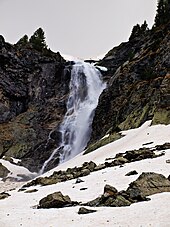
<point x="22" y="189"/>
<point x="31" y="191"/>
<point x="3" y="171"/>
<point x="85" y="172"/>
<point x="121" y="160"/>
<point x="88" y="167"/>
<point x="82" y="189"/>
<point x="168" y="161"/>
<point x="55" y="200"/>
<point x="84" y="210"/>
<point x="79" y="181"/>
<point x="133" y="172"/>
<point x="4" y="195"/>
<point x="147" y="143"/>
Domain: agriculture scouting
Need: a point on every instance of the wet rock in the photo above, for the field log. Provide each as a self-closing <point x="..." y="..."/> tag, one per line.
<point x="42" y="181"/>
<point x="55" y="200"/>
<point x="3" y="171"/>
<point x="133" y="172"/>
<point x="83" y="210"/>
<point x="149" y="184"/>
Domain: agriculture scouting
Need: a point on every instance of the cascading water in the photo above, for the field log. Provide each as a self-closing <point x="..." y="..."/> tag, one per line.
<point x="85" y="88"/>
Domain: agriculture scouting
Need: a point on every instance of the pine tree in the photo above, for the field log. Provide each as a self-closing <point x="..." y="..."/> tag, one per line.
<point x="38" y="40"/>
<point x="144" y="27"/>
<point x="163" y="12"/>
<point x="135" y="32"/>
<point x="23" y="41"/>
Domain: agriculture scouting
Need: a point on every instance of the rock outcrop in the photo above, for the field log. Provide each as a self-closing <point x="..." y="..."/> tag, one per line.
<point x="147" y="184"/>
<point x="33" y="93"/>
<point x="138" y="84"/>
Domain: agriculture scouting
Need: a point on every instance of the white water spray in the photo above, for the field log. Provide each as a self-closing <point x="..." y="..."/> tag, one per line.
<point x="85" y="88"/>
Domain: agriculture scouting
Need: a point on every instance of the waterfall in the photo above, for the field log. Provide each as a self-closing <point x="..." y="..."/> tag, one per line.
<point x="85" y="88"/>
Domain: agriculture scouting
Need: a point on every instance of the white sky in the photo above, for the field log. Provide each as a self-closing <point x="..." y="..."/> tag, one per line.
<point x="82" y="28"/>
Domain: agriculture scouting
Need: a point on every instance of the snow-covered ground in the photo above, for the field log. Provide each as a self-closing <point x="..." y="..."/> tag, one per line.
<point x="18" y="209"/>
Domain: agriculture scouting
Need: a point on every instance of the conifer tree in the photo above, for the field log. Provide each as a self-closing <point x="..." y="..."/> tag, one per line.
<point x="38" y="40"/>
<point x="144" y="27"/>
<point x="23" y="41"/>
<point x="163" y="12"/>
<point x="135" y="32"/>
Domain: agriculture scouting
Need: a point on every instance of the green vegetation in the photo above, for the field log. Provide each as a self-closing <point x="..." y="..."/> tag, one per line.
<point x="139" y="30"/>
<point x="163" y="13"/>
<point x="161" y="116"/>
<point x="102" y="142"/>
<point x="23" y="41"/>
<point x="38" y="40"/>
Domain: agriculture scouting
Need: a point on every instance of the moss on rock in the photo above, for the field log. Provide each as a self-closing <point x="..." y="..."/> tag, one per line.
<point x="102" y="142"/>
<point x="161" y="116"/>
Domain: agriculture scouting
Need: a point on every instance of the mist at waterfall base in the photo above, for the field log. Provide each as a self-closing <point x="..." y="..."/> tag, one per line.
<point x="86" y="85"/>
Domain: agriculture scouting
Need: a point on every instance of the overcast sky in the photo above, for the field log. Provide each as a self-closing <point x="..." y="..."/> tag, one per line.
<point x="81" y="28"/>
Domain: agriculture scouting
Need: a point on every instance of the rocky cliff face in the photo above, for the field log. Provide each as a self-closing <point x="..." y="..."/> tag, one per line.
<point x="138" y="84"/>
<point x="33" y="91"/>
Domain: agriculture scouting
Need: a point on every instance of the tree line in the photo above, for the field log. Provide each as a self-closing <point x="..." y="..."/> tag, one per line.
<point x="162" y="17"/>
<point x="37" y="40"/>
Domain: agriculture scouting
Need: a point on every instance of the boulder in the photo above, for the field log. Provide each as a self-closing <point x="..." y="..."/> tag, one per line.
<point x="133" y="172"/>
<point x="4" y="195"/>
<point x="110" y="191"/>
<point x="84" y="210"/>
<point x="55" y="200"/>
<point x="149" y="184"/>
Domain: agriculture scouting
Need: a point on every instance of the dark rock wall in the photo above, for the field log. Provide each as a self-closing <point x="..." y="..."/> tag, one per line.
<point x="138" y="84"/>
<point x="33" y="93"/>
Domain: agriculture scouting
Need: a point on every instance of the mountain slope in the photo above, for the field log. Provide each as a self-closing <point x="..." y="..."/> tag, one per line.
<point x="139" y="84"/>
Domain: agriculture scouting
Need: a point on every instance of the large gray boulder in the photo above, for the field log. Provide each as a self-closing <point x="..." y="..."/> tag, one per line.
<point x="149" y="184"/>
<point x="55" y="200"/>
